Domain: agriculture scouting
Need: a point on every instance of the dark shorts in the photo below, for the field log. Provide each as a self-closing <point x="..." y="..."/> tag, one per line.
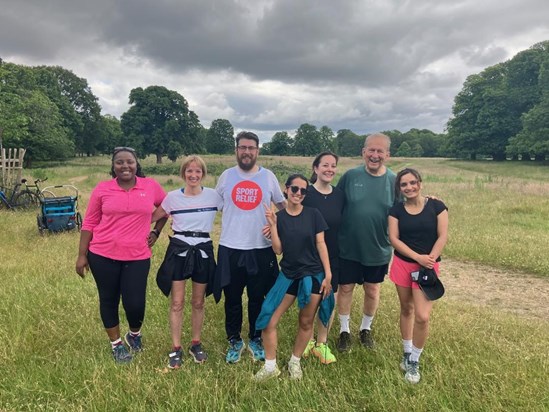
<point x="355" y="272"/>
<point x="292" y="290"/>
<point x="199" y="275"/>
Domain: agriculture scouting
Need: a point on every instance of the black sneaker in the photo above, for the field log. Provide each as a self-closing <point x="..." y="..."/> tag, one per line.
<point x="198" y="354"/>
<point x="344" y="342"/>
<point x="174" y="359"/>
<point x="366" y="339"/>
<point x="134" y="342"/>
<point x="121" y="354"/>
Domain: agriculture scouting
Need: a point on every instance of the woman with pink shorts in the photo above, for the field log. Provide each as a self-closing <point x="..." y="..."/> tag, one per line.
<point x="418" y="230"/>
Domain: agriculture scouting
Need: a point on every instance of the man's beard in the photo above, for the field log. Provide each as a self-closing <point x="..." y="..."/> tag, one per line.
<point x="246" y="166"/>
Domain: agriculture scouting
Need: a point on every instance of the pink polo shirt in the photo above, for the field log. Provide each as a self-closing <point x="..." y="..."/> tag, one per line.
<point x="120" y="220"/>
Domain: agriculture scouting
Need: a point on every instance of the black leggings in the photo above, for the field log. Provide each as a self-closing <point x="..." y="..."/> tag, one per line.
<point x="116" y="278"/>
<point x="257" y="285"/>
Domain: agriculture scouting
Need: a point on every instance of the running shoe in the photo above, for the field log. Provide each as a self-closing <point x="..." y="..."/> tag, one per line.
<point x="404" y="361"/>
<point x="236" y="346"/>
<point x="295" y="370"/>
<point x="308" y="348"/>
<point x="175" y="359"/>
<point x="412" y="372"/>
<point x="134" y="342"/>
<point x="366" y="339"/>
<point x="121" y="354"/>
<point x="255" y="346"/>
<point x="198" y="354"/>
<point x="322" y="351"/>
<point x="344" y="342"/>
<point x="264" y="375"/>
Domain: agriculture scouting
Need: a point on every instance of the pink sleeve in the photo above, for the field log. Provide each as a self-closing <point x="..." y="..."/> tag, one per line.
<point x="93" y="212"/>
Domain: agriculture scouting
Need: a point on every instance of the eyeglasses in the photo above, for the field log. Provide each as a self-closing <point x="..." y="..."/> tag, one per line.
<point x="123" y="149"/>
<point x="248" y="148"/>
<point x="302" y="190"/>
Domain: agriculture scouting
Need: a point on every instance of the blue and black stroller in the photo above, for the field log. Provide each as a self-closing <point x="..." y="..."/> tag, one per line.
<point x="59" y="213"/>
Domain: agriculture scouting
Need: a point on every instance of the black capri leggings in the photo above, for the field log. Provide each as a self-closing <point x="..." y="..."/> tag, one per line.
<point x="116" y="278"/>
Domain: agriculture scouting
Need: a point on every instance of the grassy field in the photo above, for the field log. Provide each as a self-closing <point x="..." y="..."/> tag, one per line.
<point x="55" y="356"/>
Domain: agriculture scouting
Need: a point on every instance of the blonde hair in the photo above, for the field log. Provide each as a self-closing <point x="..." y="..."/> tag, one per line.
<point x="190" y="159"/>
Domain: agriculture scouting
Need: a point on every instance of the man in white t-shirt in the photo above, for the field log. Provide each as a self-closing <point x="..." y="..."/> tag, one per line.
<point x="245" y="257"/>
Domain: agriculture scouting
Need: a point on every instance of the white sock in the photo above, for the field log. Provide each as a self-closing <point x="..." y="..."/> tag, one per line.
<point x="134" y="334"/>
<point x="270" y="364"/>
<point x="116" y="342"/>
<point x="407" y="345"/>
<point x="366" y="322"/>
<point x="344" y="323"/>
<point x="416" y="353"/>
<point x="294" y="359"/>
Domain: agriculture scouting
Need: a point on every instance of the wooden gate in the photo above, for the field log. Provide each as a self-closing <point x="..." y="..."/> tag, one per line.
<point x="11" y="166"/>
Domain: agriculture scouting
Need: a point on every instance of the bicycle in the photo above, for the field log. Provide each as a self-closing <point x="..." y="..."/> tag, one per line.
<point x="27" y="198"/>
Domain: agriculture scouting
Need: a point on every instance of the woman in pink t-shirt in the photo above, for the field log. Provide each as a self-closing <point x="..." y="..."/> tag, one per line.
<point x="115" y="244"/>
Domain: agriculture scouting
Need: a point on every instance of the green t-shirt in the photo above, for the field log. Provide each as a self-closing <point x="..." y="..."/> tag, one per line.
<point x="363" y="234"/>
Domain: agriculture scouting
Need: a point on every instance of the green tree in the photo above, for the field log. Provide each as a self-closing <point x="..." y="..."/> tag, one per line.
<point x="404" y="150"/>
<point x="220" y="137"/>
<point x="78" y="106"/>
<point x="174" y="150"/>
<point x="348" y="143"/>
<point x="307" y="140"/>
<point x="156" y="117"/>
<point x="327" y="141"/>
<point x="281" y="144"/>
<point x="417" y="150"/>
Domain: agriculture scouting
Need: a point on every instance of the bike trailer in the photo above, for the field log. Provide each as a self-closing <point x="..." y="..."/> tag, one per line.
<point x="59" y="213"/>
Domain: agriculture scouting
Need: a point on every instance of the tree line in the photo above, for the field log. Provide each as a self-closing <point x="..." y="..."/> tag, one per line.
<point x="499" y="113"/>
<point x="504" y="110"/>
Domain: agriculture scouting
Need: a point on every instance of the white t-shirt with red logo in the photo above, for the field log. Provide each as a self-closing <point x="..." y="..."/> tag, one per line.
<point x="243" y="212"/>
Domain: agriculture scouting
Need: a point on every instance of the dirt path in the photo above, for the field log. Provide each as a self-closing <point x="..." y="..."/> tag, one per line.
<point x="519" y="293"/>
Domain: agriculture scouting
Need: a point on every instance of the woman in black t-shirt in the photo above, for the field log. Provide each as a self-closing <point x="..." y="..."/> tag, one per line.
<point x="329" y="200"/>
<point x="297" y="233"/>
<point x="418" y="230"/>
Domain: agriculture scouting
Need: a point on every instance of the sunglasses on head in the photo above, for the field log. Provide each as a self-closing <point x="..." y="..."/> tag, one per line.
<point x="296" y="189"/>
<point x="123" y="149"/>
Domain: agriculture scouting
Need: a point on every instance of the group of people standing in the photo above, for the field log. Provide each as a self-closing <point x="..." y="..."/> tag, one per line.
<point x="330" y="238"/>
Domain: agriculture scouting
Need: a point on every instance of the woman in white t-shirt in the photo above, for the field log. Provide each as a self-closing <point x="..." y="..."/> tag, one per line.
<point x="189" y="255"/>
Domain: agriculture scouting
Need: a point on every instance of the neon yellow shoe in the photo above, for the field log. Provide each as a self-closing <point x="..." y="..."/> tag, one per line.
<point x="323" y="352"/>
<point x="310" y="346"/>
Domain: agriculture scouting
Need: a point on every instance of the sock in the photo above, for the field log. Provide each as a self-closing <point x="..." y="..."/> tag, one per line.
<point x="195" y="342"/>
<point x="344" y="323"/>
<point x="270" y="364"/>
<point x="115" y="343"/>
<point x="407" y="345"/>
<point x="135" y="334"/>
<point x="416" y="353"/>
<point x="366" y="322"/>
<point x="294" y="359"/>
<point x="176" y="348"/>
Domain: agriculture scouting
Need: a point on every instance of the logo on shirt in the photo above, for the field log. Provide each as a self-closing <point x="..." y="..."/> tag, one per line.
<point x="246" y="195"/>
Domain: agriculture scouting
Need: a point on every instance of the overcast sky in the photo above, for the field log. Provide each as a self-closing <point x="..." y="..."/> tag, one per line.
<point x="364" y="65"/>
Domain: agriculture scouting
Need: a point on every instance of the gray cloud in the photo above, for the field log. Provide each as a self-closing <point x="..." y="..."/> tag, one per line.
<point x="272" y="65"/>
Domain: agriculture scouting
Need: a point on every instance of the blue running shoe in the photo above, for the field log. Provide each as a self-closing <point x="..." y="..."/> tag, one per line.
<point x="255" y="346"/>
<point x="236" y="346"/>
<point x="121" y="354"/>
<point x="134" y="342"/>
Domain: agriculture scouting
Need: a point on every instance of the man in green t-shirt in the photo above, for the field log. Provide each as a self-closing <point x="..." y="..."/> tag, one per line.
<point x="365" y="250"/>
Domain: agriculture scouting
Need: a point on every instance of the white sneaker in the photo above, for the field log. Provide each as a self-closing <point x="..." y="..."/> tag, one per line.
<point x="412" y="372"/>
<point x="295" y="370"/>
